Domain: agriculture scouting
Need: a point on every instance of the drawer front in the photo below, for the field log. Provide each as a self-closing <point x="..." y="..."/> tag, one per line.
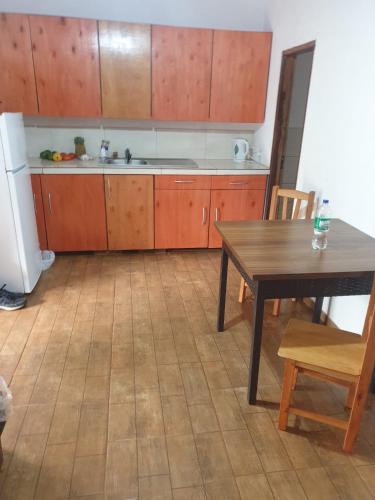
<point x="182" y="181"/>
<point x="239" y="182"/>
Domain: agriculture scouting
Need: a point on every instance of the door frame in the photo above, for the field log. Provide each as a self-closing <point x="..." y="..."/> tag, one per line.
<point x="282" y="113"/>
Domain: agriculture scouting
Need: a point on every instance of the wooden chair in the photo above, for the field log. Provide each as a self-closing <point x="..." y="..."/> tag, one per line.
<point x="335" y="356"/>
<point x="285" y="195"/>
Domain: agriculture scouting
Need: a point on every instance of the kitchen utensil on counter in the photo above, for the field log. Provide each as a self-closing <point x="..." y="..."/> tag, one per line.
<point x="240" y="149"/>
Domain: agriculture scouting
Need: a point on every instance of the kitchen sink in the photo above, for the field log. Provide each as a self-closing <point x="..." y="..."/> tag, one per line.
<point x="152" y="162"/>
<point x="122" y="161"/>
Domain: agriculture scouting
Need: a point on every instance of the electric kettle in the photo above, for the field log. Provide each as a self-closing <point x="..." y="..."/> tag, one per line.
<point x="240" y="149"/>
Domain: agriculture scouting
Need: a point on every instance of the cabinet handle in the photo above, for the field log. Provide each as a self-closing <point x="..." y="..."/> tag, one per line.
<point x="183" y="182"/>
<point x="35" y="210"/>
<point x="49" y="203"/>
<point x="204" y="216"/>
<point x="238" y="183"/>
<point x="109" y="188"/>
<point x="216" y="214"/>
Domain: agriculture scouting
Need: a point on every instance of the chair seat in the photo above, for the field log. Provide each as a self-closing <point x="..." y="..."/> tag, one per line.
<point x="323" y="347"/>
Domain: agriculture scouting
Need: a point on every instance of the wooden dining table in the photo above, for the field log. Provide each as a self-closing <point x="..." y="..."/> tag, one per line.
<point x="276" y="260"/>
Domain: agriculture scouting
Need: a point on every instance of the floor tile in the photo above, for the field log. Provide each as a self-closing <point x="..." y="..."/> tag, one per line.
<point x="183" y="461"/>
<point x="88" y="475"/>
<point x="155" y="488"/>
<point x="152" y="456"/>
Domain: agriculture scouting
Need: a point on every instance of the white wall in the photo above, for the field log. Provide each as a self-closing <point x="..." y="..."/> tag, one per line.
<point x="236" y="14"/>
<point x="337" y="157"/>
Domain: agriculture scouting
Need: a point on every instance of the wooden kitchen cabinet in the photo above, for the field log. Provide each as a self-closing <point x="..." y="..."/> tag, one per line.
<point x="181" y="217"/>
<point x="240" y="66"/>
<point x="74" y="212"/>
<point x="17" y="79"/>
<point x="130" y="211"/>
<point x="125" y="69"/>
<point x="39" y="210"/>
<point x="235" y="198"/>
<point x="181" y="73"/>
<point x="66" y="62"/>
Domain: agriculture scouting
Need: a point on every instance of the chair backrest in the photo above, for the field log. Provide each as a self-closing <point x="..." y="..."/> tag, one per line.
<point x="290" y="194"/>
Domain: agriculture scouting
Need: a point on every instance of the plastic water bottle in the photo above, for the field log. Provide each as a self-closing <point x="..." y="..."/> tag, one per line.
<point x="321" y="226"/>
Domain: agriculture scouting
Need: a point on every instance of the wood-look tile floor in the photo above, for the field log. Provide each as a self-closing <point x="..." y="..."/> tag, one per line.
<point x="123" y="390"/>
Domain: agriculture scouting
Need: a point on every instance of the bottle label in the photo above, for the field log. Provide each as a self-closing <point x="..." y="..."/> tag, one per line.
<point x="322" y="223"/>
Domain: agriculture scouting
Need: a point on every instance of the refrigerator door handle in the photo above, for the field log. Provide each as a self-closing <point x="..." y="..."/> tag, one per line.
<point x="49" y="203"/>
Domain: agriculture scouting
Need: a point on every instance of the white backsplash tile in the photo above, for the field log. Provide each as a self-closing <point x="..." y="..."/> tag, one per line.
<point x="181" y="144"/>
<point x="37" y="139"/>
<point x="148" y="143"/>
<point x="140" y="142"/>
<point x="63" y="139"/>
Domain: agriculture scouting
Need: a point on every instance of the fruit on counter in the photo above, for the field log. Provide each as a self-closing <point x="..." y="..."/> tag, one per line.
<point x="46" y="154"/>
<point x="79" y="145"/>
<point x="56" y="156"/>
<point x="67" y="156"/>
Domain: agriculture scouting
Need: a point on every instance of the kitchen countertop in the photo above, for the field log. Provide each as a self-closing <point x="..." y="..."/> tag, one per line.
<point x="205" y="167"/>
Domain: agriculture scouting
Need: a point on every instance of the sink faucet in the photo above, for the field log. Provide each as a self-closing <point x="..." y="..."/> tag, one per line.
<point x="128" y="155"/>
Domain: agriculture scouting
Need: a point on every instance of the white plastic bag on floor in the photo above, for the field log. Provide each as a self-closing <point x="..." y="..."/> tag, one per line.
<point x="48" y="258"/>
<point x="5" y="400"/>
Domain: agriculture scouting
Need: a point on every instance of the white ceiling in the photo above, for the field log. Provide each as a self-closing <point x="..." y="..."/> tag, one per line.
<point x="230" y="14"/>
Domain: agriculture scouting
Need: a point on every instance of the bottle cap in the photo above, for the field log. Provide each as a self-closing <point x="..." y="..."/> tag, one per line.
<point x="326" y="201"/>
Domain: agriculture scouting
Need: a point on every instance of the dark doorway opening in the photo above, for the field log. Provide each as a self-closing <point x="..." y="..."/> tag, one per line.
<point x="292" y="98"/>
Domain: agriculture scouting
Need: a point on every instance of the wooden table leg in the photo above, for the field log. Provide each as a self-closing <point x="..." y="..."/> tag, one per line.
<point x="317" y="309"/>
<point x="258" y="310"/>
<point x="222" y="290"/>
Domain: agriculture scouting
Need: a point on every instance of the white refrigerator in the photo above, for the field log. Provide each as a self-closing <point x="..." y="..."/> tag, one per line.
<point x="20" y="255"/>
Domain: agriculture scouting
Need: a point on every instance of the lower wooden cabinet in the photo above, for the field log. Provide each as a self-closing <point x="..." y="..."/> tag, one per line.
<point x="181" y="218"/>
<point x="233" y="204"/>
<point x="130" y="211"/>
<point x="74" y="212"/>
<point x="79" y="212"/>
<point x="39" y="210"/>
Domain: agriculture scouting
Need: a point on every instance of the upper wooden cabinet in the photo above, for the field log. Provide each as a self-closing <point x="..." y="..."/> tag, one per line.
<point x="17" y="80"/>
<point x="125" y="69"/>
<point x="66" y="60"/>
<point x="181" y="73"/>
<point x="239" y="76"/>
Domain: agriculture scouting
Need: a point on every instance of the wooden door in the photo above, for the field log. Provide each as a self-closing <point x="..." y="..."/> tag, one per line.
<point x="181" y="73"/>
<point x="239" y="76"/>
<point x="125" y="69"/>
<point x="66" y="60"/>
<point x="233" y="204"/>
<point x="130" y="211"/>
<point x="39" y="210"/>
<point x="74" y="212"/>
<point x="17" y="79"/>
<point x="181" y="218"/>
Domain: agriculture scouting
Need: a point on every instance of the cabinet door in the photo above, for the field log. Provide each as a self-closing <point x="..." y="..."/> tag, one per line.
<point x="245" y="204"/>
<point x="17" y="79"/>
<point x="130" y="211"/>
<point x="125" y="69"/>
<point x="74" y="212"/>
<point x="181" y="218"/>
<point x="39" y="210"/>
<point x="66" y="60"/>
<point x="181" y="73"/>
<point x="239" y="76"/>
